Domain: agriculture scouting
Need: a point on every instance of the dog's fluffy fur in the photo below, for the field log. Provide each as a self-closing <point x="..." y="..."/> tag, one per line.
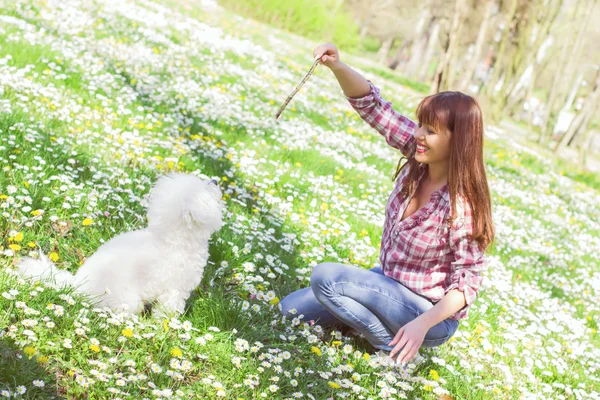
<point x="162" y="263"/>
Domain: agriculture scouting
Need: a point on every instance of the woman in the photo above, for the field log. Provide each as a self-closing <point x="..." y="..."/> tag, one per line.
<point x="437" y="226"/>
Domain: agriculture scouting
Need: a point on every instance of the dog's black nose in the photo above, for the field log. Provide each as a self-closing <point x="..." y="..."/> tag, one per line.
<point x="213" y="181"/>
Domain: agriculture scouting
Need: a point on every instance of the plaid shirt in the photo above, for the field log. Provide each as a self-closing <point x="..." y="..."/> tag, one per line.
<point x="422" y="251"/>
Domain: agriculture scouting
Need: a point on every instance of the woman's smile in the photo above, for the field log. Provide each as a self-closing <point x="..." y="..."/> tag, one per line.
<point x="421" y="148"/>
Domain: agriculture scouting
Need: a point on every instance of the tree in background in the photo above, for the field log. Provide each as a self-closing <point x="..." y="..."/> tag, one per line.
<point x="511" y="54"/>
<point x="525" y="60"/>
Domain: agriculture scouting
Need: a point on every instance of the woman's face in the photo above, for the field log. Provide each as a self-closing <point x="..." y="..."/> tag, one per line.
<point x="433" y="145"/>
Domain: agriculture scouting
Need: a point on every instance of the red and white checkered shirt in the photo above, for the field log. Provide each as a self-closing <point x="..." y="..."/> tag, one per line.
<point x="422" y="252"/>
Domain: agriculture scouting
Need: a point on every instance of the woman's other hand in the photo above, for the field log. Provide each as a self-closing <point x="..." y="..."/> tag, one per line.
<point x="408" y="339"/>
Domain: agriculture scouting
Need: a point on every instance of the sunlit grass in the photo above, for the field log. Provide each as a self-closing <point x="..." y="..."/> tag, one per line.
<point x="108" y="106"/>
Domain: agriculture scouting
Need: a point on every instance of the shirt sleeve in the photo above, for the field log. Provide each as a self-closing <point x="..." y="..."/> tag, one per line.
<point x="397" y="129"/>
<point x="469" y="261"/>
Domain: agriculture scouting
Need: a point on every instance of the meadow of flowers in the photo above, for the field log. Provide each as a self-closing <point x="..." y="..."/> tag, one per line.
<point x="99" y="98"/>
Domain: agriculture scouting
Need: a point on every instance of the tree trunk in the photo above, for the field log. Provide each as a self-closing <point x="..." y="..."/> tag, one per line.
<point x="574" y="90"/>
<point x="397" y="59"/>
<point x="418" y="47"/>
<point x="442" y="69"/>
<point x="574" y="58"/>
<point x="529" y="97"/>
<point x="573" y="128"/>
<point x="582" y="129"/>
<point x="583" y="151"/>
<point x="517" y="93"/>
<point x="472" y="66"/>
<point x="533" y="28"/>
<point x="363" y="31"/>
<point x="496" y="72"/>
<point x="437" y="77"/>
<point x="452" y="62"/>
<point x="562" y="60"/>
<point x="384" y="51"/>
<point x="431" y="43"/>
<point x="581" y="121"/>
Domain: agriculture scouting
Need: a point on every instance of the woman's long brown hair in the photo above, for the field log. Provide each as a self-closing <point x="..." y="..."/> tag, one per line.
<point x="461" y="115"/>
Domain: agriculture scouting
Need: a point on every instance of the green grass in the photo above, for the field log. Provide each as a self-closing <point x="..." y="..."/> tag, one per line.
<point x="307" y="189"/>
<point x="316" y="20"/>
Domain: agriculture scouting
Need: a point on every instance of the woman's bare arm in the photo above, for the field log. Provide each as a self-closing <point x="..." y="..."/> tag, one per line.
<point x="352" y="83"/>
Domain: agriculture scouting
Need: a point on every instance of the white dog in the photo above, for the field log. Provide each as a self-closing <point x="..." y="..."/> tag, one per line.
<point x="161" y="263"/>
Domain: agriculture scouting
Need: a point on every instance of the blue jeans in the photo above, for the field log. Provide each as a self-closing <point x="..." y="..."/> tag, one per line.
<point x="368" y="301"/>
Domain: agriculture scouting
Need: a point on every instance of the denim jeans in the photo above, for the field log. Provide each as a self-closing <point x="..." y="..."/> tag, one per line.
<point x="368" y="301"/>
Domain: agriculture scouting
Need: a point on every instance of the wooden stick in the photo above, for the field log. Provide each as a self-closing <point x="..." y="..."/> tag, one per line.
<point x="289" y="98"/>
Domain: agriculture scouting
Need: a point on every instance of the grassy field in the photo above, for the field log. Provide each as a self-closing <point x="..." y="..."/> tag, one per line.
<point x="99" y="99"/>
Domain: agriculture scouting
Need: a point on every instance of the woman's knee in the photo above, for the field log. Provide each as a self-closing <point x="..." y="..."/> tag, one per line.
<point x="323" y="272"/>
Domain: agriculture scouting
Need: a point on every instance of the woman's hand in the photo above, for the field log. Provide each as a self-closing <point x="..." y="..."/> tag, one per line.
<point x="330" y="57"/>
<point x="411" y="337"/>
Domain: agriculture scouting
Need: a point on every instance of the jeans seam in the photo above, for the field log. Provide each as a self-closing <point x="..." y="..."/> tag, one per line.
<point x="393" y="299"/>
<point x="354" y="317"/>
<point x="377" y="291"/>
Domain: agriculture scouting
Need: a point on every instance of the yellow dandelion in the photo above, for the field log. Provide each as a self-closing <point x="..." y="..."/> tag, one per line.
<point x="35" y="213"/>
<point x="166" y="324"/>
<point x="127" y="332"/>
<point x="31" y="244"/>
<point x="29" y="351"/>
<point x="316" y="350"/>
<point x="336" y="343"/>
<point x="434" y="375"/>
<point x="95" y="348"/>
<point x="87" y="221"/>
<point x="14" y="247"/>
<point x="176" y="352"/>
<point x="274" y="301"/>
<point x="53" y="256"/>
<point x="366" y="356"/>
<point x="42" y="360"/>
<point x="333" y="385"/>
<point x="18" y="237"/>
